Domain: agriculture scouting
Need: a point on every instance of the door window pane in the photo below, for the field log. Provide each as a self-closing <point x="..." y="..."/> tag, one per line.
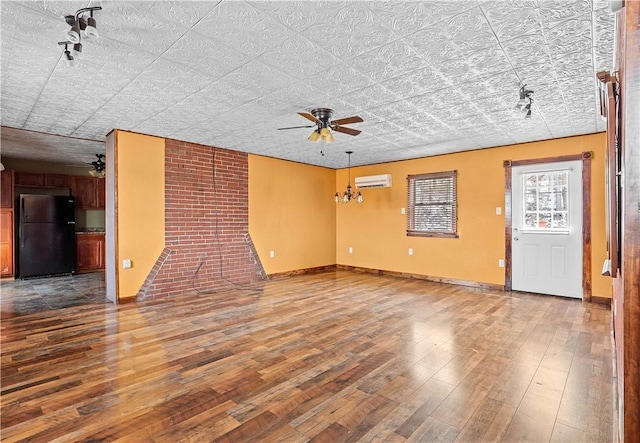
<point x="546" y="197"/>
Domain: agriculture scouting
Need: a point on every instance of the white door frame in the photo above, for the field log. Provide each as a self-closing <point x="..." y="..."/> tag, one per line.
<point x="586" y="215"/>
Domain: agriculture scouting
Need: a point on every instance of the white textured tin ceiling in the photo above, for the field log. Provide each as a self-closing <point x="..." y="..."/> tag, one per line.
<point x="428" y="77"/>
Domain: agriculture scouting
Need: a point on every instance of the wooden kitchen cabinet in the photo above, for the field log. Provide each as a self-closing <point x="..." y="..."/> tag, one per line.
<point x="28" y="179"/>
<point x="56" y="180"/>
<point x="6" y="243"/>
<point x="100" y="192"/>
<point x="89" y="192"/>
<point x="90" y="250"/>
<point x="6" y="189"/>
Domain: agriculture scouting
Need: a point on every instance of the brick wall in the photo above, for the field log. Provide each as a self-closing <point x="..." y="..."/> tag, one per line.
<point x="207" y="242"/>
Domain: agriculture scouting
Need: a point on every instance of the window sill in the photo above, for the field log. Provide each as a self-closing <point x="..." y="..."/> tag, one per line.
<point x="432" y="234"/>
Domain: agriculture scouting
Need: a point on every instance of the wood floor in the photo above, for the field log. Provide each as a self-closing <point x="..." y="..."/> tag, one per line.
<point x="336" y="356"/>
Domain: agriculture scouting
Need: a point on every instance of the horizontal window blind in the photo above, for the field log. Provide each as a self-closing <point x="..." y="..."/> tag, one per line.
<point x="432" y="203"/>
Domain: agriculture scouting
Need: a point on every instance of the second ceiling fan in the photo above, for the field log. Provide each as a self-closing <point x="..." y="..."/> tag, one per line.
<point x="321" y="117"/>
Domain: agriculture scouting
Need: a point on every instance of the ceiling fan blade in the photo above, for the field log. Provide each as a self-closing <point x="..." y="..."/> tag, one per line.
<point x="308" y="116"/>
<point x="296" y="127"/>
<point x="346" y="130"/>
<point x="347" y="120"/>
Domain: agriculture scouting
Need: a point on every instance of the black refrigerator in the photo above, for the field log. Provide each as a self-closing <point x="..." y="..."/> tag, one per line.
<point x="45" y="236"/>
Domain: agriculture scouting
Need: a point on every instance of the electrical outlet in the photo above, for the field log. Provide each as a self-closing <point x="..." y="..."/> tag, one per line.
<point x="501" y="263"/>
<point x="498" y="210"/>
<point x="402" y="211"/>
<point x="410" y="251"/>
<point x="126" y="263"/>
<point x="350" y="250"/>
<point x="272" y="254"/>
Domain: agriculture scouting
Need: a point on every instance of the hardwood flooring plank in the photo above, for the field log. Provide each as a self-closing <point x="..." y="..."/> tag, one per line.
<point x="333" y="356"/>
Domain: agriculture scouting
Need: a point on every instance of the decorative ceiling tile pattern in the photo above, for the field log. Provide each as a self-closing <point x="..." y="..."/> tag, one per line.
<point x="428" y="77"/>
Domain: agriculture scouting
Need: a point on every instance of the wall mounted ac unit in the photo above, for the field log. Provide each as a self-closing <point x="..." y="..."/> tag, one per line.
<point x="373" y="181"/>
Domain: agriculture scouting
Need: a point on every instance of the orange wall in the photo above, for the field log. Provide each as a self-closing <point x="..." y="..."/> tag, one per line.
<point x="376" y="229"/>
<point x="291" y="212"/>
<point x="139" y="208"/>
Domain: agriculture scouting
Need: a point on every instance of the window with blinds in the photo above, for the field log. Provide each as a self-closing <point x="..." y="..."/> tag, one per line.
<point x="432" y="203"/>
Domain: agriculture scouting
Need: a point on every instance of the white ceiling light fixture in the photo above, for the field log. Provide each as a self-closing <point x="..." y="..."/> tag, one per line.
<point x="80" y="27"/>
<point x="347" y="196"/>
<point x="525" y="102"/>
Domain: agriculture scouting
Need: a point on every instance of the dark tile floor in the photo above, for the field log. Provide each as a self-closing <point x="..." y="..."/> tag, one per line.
<point x="21" y="297"/>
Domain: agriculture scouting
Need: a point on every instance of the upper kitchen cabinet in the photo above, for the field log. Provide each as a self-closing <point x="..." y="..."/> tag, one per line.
<point x="57" y="180"/>
<point x="100" y="189"/>
<point x="29" y="179"/>
<point x="89" y="192"/>
<point x="6" y="189"/>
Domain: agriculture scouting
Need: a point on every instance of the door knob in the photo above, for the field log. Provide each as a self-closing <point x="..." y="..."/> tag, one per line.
<point x="515" y="239"/>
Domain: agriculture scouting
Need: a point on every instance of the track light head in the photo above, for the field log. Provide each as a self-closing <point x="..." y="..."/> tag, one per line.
<point x="91" y="30"/>
<point x="74" y="34"/>
<point x="77" y="50"/>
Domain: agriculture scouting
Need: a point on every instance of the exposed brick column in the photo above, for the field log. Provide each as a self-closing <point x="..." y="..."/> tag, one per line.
<point x="207" y="242"/>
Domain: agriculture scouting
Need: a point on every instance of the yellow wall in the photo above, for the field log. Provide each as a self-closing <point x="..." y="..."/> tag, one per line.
<point x="139" y="207"/>
<point x="291" y="212"/>
<point x="376" y="229"/>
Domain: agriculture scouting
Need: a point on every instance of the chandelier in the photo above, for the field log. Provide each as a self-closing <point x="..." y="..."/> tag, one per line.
<point x="347" y="196"/>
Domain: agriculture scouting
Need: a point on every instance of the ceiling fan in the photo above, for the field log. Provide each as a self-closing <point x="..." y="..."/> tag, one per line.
<point x="321" y="117"/>
<point x="99" y="167"/>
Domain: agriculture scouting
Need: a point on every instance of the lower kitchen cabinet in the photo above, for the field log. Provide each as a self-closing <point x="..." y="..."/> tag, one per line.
<point x="90" y="252"/>
<point x="6" y="243"/>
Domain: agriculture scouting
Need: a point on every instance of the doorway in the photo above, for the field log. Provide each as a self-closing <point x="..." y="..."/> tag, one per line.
<point x="547" y="226"/>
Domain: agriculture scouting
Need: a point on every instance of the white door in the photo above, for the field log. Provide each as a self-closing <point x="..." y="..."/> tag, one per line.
<point x="546" y="246"/>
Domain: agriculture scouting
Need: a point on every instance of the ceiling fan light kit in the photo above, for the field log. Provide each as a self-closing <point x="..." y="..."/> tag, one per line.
<point x="347" y="196"/>
<point x="79" y="27"/>
<point x="315" y="136"/>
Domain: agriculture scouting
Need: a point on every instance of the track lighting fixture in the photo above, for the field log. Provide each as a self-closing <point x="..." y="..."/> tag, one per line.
<point x="525" y="101"/>
<point x="79" y="27"/>
<point x="347" y="196"/>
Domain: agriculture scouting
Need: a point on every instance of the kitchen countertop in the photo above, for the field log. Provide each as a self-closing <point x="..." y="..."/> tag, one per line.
<point x="91" y="231"/>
